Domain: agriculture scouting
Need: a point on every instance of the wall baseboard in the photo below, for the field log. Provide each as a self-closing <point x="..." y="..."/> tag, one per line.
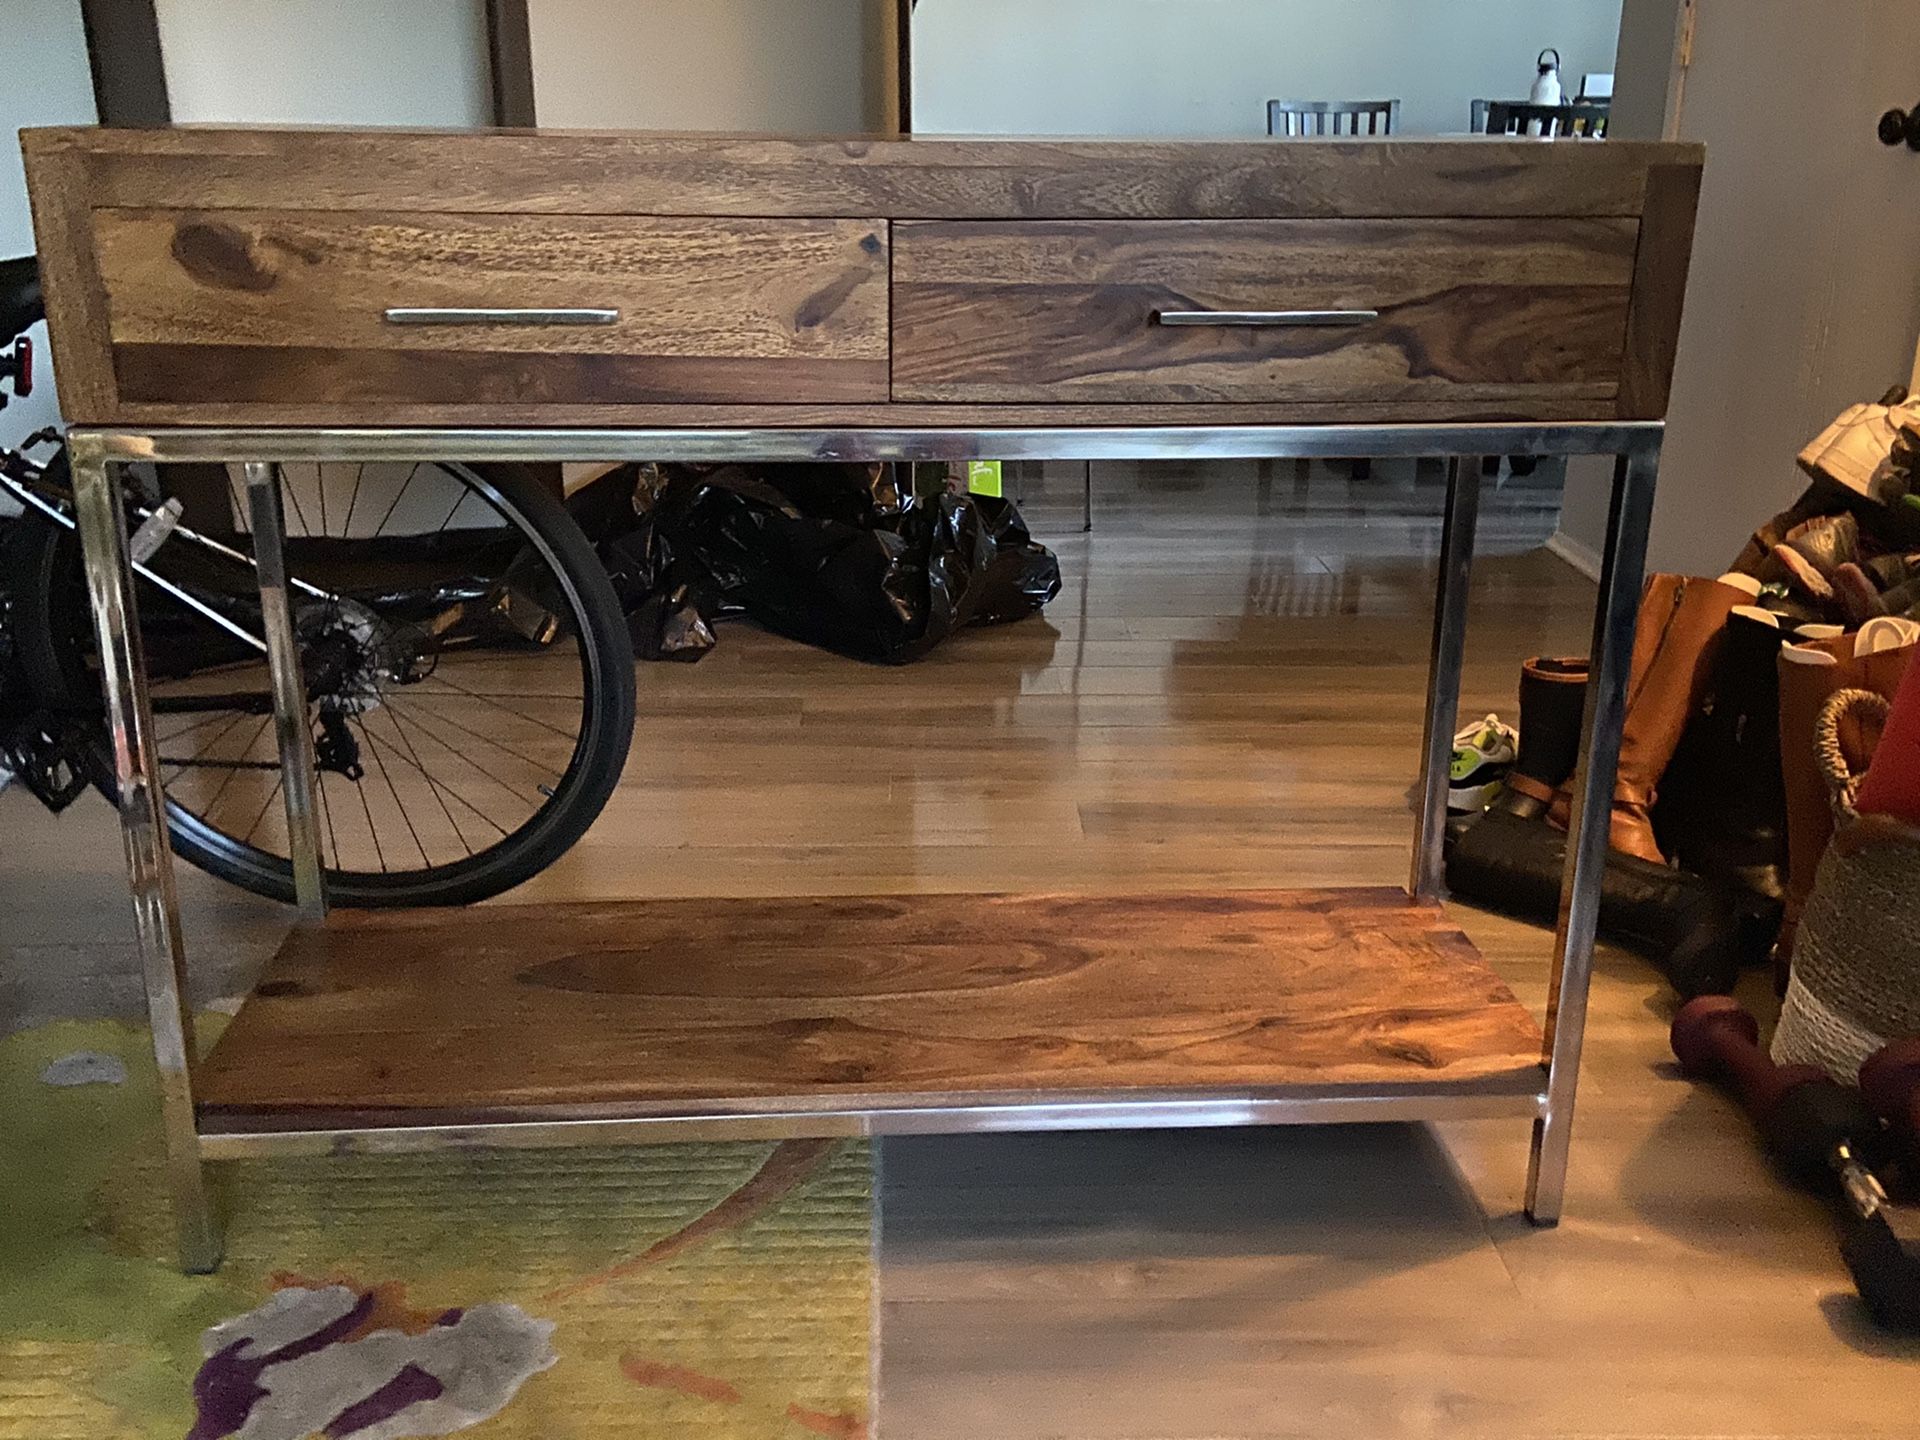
<point x="1577" y="553"/>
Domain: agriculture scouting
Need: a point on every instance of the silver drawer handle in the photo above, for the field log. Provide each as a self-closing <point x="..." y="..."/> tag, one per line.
<point x="1314" y="319"/>
<point x="426" y="315"/>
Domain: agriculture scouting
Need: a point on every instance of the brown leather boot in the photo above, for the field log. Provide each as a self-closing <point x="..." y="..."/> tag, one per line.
<point x="1803" y="690"/>
<point x="1681" y="618"/>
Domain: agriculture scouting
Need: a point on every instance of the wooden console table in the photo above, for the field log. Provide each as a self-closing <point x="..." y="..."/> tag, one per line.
<point x="243" y="296"/>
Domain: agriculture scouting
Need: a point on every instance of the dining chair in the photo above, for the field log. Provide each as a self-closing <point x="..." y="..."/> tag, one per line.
<point x="1517" y="117"/>
<point x="1297" y="119"/>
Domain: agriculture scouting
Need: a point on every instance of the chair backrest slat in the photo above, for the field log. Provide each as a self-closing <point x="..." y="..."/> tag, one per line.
<point x="1297" y="119"/>
<point x="1518" y="117"/>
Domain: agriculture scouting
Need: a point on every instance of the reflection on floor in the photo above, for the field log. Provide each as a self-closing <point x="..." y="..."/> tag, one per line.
<point x="1228" y="692"/>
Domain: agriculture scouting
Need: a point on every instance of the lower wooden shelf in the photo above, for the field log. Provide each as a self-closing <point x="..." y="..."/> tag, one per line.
<point x="876" y="1013"/>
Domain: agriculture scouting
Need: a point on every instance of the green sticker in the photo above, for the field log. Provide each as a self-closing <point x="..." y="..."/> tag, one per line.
<point x="983" y="478"/>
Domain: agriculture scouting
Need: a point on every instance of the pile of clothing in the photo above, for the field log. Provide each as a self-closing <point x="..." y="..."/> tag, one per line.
<point x="1720" y="813"/>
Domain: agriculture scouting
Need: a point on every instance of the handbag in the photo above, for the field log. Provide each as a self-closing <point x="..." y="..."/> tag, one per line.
<point x="1856" y="960"/>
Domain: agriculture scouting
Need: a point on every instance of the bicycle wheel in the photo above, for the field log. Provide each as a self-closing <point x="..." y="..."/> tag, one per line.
<point x="469" y="673"/>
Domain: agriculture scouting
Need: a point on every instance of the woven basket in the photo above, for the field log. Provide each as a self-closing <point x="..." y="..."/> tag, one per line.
<point x="1856" y="961"/>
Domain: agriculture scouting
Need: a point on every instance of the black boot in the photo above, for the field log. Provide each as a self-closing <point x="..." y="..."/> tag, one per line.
<point x="1723" y="809"/>
<point x="1553" y="697"/>
<point x="1684" y="925"/>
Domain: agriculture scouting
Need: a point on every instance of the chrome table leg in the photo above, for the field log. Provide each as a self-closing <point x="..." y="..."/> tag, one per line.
<point x="1428" y="881"/>
<point x="156" y="905"/>
<point x="291" y="725"/>
<point x="1622" y="573"/>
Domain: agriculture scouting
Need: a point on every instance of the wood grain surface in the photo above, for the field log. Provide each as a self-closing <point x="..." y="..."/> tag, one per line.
<point x="61" y="192"/>
<point x="1659" y="290"/>
<point x="629" y="173"/>
<point x="288" y="305"/>
<point x="1064" y="310"/>
<point x="243" y="271"/>
<point x="667" y="1003"/>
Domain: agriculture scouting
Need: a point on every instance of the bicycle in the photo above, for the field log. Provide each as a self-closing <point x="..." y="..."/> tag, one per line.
<point x="468" y="668"/>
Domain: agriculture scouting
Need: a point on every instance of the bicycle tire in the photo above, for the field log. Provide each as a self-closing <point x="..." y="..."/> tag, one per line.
<point x="48" y="616"/>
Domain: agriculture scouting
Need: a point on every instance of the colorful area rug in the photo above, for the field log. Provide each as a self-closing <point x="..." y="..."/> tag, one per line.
<point x="671" y="1290"/>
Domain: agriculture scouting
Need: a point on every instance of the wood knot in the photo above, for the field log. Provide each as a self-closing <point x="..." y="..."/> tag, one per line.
<point x="221" y="256"/>
<point x="1411" y="1051"/>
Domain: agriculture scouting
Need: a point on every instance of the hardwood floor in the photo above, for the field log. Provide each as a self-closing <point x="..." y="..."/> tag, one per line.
<point x="1226" y="694"/>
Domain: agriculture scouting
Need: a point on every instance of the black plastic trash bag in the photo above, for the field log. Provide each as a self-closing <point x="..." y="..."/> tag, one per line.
<point x="832" y="555"/>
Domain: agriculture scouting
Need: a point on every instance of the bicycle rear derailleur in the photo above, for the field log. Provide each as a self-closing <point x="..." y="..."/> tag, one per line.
<point x="335" y="748"/>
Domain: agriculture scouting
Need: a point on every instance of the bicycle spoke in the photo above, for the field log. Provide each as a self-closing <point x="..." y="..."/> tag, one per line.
<point x="272" y="795"/>
<point x="326" y="814"/>
<point x="517" y="792"/>
<point x="527" y="760"/>
<point x="211" y="719"/>
<point x="353" y="501"/>
<point x="293" y="497"/>
<point x="393" y="790"/>
<point x="453" y="792"/>
<point x="476" y="695"/>
<point x="373" y="831"/>
<point x="207" y="813"/>
<point x="433" y="787"/>
<point x="225" y="731"/>
<point x="240" y="512"/>
<point x="457" y="754"/>
<point x="398" y="495"/>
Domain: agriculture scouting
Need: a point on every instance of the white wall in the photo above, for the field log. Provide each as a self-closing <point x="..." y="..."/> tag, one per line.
<point x="1804" y="294"/>
<point x="339" y="62"/>
<point x="809" y="67"/>
<point x="1643" y="100"/>
<point x="46" y="83"/>
<point x="1208" y="67"/>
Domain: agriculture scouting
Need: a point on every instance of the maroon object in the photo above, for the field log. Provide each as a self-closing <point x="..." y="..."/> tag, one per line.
<point x="1715" y="1039"/>
<point x="1891" y="1082"/>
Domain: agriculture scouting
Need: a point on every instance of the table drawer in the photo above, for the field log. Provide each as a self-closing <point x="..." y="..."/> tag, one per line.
<point x="344" y="308"/>
<point x="1373" y="311"/>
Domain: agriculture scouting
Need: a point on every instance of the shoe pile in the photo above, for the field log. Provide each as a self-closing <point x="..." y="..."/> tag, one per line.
<point x="1719" y="815"/>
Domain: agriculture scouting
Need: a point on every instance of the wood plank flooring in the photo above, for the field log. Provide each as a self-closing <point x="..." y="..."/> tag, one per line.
<point x="1372" y="1281"/>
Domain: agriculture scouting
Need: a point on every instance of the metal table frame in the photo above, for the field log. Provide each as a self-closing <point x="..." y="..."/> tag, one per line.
<point x="96" y="452"/>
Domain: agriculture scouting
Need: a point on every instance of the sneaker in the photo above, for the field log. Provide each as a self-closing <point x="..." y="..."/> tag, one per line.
<point x="1810" y="554"/>
<point x="1857" y="449"/>
<point x="1482" y="756"/>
